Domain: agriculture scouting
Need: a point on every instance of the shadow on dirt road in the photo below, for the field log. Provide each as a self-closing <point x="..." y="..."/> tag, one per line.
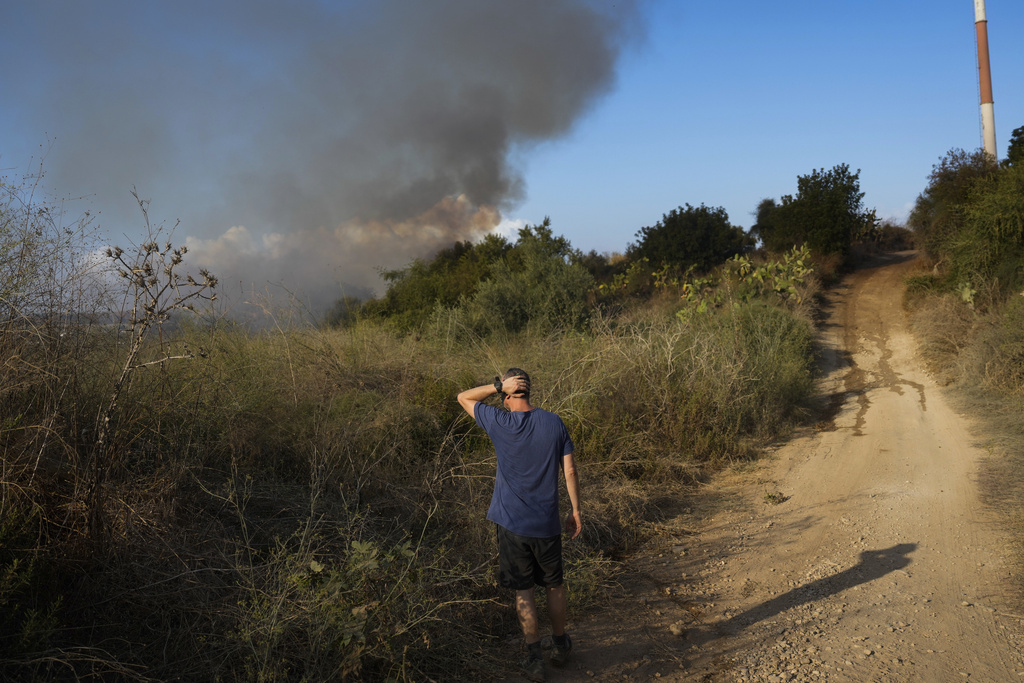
<point x="874" y="564"/>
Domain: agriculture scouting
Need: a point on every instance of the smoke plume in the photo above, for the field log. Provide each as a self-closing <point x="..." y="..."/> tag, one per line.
<point x="307" y="143"/>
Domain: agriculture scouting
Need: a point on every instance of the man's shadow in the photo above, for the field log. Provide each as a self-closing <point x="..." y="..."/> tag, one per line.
<point x="873" y="564"/>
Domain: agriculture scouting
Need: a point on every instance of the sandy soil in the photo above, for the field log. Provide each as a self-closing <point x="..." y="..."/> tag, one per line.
<point x="857" y="551"/>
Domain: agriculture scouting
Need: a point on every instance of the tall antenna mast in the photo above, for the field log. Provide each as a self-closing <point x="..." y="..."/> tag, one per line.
<point x="988" y="117"/>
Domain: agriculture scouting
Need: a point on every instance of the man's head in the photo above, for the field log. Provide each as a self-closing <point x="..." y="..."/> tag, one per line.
<point x="518" y="372"/>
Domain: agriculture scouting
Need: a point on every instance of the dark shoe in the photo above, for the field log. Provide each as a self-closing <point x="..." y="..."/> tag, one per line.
<point x="533" y="669"/>
<point x="560" y="655"/>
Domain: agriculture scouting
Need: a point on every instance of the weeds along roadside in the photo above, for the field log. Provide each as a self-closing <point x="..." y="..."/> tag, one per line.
<point x="974" y="345"/>
<point x="301" y="502"/>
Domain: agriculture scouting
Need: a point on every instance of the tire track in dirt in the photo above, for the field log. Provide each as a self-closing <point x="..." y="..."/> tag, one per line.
<point x="879" y="562"/>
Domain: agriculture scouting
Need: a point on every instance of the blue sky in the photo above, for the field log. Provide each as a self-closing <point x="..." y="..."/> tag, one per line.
<point x="728" y="102"/>
<point x="307" y="143"/>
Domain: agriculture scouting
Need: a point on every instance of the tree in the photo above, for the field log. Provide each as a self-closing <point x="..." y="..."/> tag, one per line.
<point x="691" y="236"/>
<point x="503" y="287"/>
<point x="453" y="273"/>
<point x="971" y="218"/>
<point x="1015" y="150"/>
<point x="935" y="216"/>
<point x="826" y="213"/>
<point x="764" y="225"/>
<point x="542" y="285"/>
<point x="988" y="245"/>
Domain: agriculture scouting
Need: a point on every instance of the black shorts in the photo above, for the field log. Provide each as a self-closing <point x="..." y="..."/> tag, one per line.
<point x="524" y="561"/>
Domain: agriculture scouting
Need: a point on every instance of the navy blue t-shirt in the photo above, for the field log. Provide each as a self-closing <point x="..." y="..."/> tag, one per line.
<point x="530" y="446"/>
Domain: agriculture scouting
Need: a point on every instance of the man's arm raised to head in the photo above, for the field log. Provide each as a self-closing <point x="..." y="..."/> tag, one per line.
<point x="574" y="520"/>
<point x="470" y="397"/>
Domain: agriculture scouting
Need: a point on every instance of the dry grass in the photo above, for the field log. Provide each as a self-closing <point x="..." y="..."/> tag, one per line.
<point x="252" y="486"/>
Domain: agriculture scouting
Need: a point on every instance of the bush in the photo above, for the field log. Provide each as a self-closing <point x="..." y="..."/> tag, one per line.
<point x="935" y="217"/>
<point x="538" y="281"/>
<point x="1015" y="148"/>
<point x="546" y="295"/>
<point x="892" y="237"/>
<point x="989" y="246"/>
<point x="452" y="275"/>
<point x="826" y="214"/>
<point x="969" y="314"/>
<point x="698" y="237"/>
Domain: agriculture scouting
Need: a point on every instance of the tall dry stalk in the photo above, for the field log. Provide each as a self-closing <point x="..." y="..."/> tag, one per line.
<point x="155" y="290"/>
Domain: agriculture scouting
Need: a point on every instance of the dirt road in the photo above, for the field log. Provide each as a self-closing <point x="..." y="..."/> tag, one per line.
<point x="859" y="551"/>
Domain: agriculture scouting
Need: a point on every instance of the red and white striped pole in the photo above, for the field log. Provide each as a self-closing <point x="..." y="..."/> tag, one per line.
<point x="988" y="117"/>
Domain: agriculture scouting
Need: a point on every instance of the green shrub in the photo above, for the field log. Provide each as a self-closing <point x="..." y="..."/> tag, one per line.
<point x="990" y="243"/>
<point x="1015" y="148"/>
<point x="537" y="281"/>
<point x="935" y="217"/>
<point x="892" y="237"/>
<point x="699" y="237"/>
<point x="826" y="214"/>
<point x="452" y="274"/>
<point x="547" y="294"/>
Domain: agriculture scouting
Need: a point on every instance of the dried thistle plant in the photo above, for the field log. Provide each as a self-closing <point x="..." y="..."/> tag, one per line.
<point x="155" y="290"/>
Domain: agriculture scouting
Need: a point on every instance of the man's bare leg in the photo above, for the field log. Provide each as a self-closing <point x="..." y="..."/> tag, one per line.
<point x="557" y="609"/>
<point x="526" y="609"/>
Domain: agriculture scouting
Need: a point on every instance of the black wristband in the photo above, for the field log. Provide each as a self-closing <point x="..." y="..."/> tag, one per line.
<point x="497" y="385"/>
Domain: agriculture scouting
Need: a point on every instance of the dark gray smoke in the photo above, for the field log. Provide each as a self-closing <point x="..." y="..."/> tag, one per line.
<point x="305" y="142"/>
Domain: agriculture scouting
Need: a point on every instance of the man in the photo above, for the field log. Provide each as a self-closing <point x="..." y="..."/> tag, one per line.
<point x="531" y="445"/>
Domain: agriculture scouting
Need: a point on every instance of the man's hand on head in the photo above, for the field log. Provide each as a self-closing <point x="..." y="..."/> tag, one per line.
<point x="515" y="385"/>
